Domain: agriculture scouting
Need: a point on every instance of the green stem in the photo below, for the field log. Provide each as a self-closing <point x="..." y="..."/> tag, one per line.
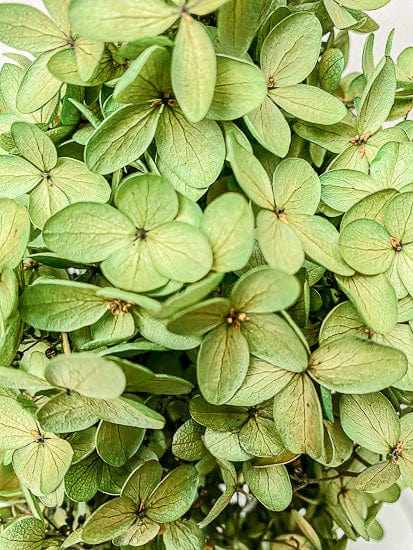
<point x="297" y="330"/>
<point x="33" y="504"/>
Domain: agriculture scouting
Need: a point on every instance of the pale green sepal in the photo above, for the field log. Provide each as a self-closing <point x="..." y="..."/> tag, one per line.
<point x="194" y="69"/>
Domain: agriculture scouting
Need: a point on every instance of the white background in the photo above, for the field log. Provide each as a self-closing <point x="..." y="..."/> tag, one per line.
<point x="398" y="14"/>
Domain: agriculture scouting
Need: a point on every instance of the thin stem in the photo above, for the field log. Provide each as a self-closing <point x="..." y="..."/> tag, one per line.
<point x="308" y="500"/>
<point x="306" y="482"/>
<point x="66" y="343"/>
<point x="52" y="523"/>
<point x="33" y="504"/>
<point x="296" y="329"/>
<point x="361" y="459"/>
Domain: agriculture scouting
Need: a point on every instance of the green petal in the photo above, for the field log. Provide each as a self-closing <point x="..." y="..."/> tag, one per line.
<point x="291" y="49"/>
<point x="46" y="200"/>
<point x="187" y="443"/>
<point x="374" y="299"/>
<point x="14" y="232"/>
<point x="364" y="4"/>
<point x="184" y="534"/>
<point x="87" y="374"/>
<point x="376" y="478"/>
<point x="148" y="200"/>
<point x="64" y="66"/>
<point x="173" y="497"/>
<point x="8" y="296"/>
<point x="41" y="467"/>
<point x="17" y="176"/>
<point x="114" y="21"/>
<point x="352" y="365"/>
<point x="109" y="520"/>
<point x="156" y="331"/>
<point x="19" y="379"/>
<point x="343" y="320"/>
<point x="272" y="339"/>
<point x="377" y="98"/>
<point x="225" y="446"/>
<point x="262" y="381"/>
<point x="59" y="12"/>
<point x="117" y="444"/>
<point x="238" y="22"/>
<point x="298" y="417"/>
<point x="222" y="363"/>
<point x="270" y="485"/>
<point x="139" y="534"/>
<point x="264" y="290"/>
<point x="279" y="243"/>
<point x="405" y="464"/>
<point x="195" y="152"/>
<point x="16" y="424"/>
<point x="240" y="88"/>
<point x="194" y="69"/>
<point x="332" y="65"/>
<point x="228" y="223"/>
<point x="223" y="418"/>
<point x="111" y="329"/>
<point x="38" y="86"/>
<point x="180" y="251"/>
<point x="190" y="295"/>
<point x="66" y="413"/>
<point x="341" y="18"/>
<point x="201" y="317"/>
<point x="259" y="437"/>
<point x="88" y="55"/>
<point x="142" y="482"/>
<point x="319" y="239"/>
<point x="309" y="103"/>
<point x="101" y="230"/>
<point x="342" y="189"/>
<point x="202" y="7"/>
<point x="34" y="145"/>
<point x="250" y="173"/>
<point x="334" y="138"/>
<point x="122" y="138"/>
<point x="61" y="305"/>
<point x="398" y="217"/>
<point x="373" y="207"/>
<point x="405" y="266"/>
<point x="393" y="167"/>
<point x="78" y="183"/>
<point x="370" y="421"/>
<point x="269" y="127"/>
<point x="381" y="137"/>
<point x="26" y="533"/>
<point x="26" y="28"/>
<point x="131" y="267"/>
<point x="296" y="187"/>
<point x="146" y="79"/>
<point x="81" y="481"/>
<point x="366" y="246"/>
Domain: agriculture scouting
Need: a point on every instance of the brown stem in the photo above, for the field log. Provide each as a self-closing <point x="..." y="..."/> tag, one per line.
<point x="361" y="459"/>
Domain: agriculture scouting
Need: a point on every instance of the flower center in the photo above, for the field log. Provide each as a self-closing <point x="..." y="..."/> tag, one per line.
<point x="397" y="452"/>
<point x="360" y="141"/>
<point x="270" y="82"/>
<point x="119" y="307"/>
<point x="236" y="318"/>
<point x="165" y="100"/>
<point x="141" y="234"/>
<point x="396" y="244"/>
<point x="280" y="213"/>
